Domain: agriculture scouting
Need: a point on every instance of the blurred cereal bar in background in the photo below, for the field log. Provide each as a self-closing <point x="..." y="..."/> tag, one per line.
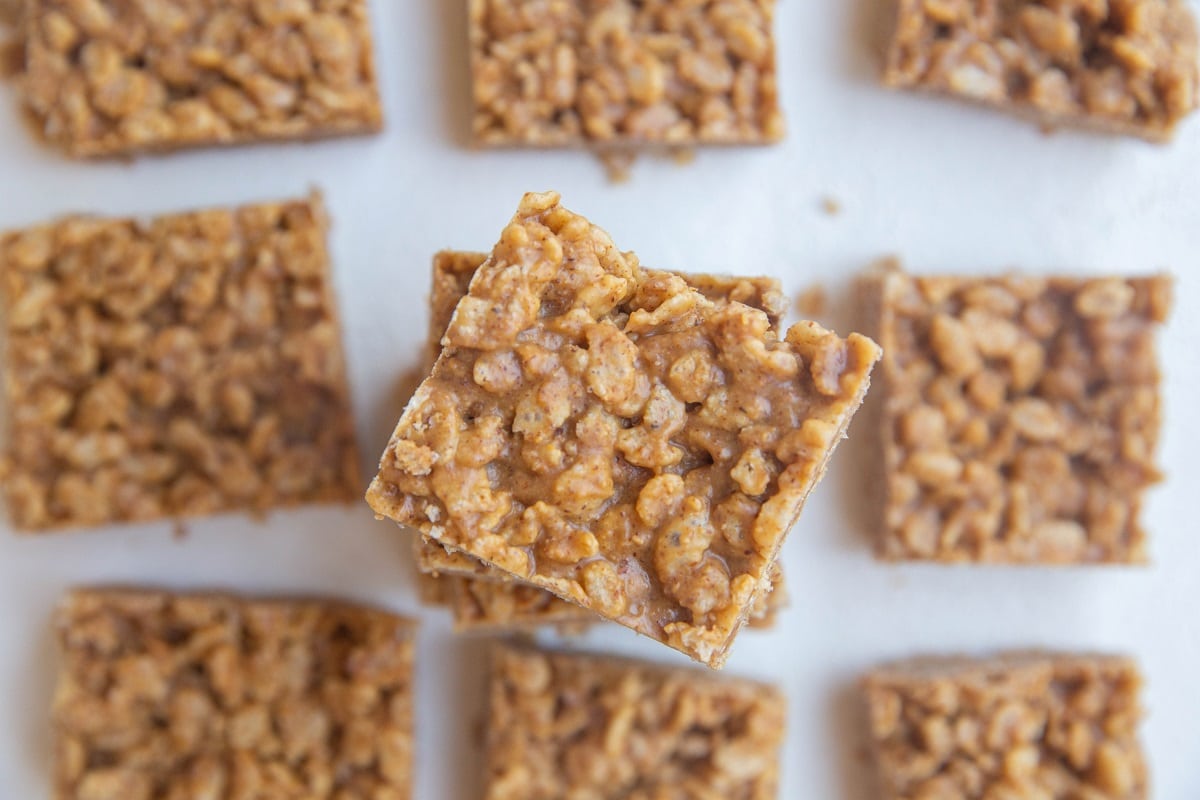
<point x="205" y="696"/>
<point x="175" y="367"/>
<point x="564" y="726"/>
<point x="1024" y="725"/>
<point x="622" y="73"/>
<point x="112" y="77"/>
<point x="1119" y="66"/>
<point x="1021" y="416"/>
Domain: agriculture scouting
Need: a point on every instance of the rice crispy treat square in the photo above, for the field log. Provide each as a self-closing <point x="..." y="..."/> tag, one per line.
<point x="189" y="696"/>
<point x="1116" y="66"/>
<point x="610" y="434"/>
<point x="117" y="77"/>
<point x="1016" y="725"/>
<point x="1021" y="416"/>
<point x="615" y="73"/>
<point x="488" y="606"/>
<point x="176" y="367"/>
<point x="563" y="726"/>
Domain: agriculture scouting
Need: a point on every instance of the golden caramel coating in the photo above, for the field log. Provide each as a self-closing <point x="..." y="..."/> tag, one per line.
<point x="116" y="77"/>
<point x="619" y="73"/>
<point x="179" y="367"/>
<point x="491" y="607"/>
<point x="610" y="434"/>
<point x="1019" y="726"/>
<point x="565" y="726"/>
<point x="197" y="696"/>
<point x="1021" y="416"/>
<point x="1119" y="66"/>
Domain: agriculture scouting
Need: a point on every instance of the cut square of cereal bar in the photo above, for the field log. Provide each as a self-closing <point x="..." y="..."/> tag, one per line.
<point x="1021" y="416"/>
<point x="194" y="696"/>
<point x="113" y="77"/>
<point x="610" y="434"/>
<point x="658" y="72"/>
<point x="452" y="273"/>
<point x="1126" y="66"/>
<point x="181" y="366"/>
<point x="1017" y="725"/>
<point x="563" y="726"/>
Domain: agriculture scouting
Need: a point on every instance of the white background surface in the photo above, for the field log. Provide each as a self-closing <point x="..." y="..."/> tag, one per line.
<point x="945" y="186"/>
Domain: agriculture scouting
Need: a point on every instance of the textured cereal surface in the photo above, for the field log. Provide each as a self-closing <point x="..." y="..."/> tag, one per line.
<point x="1021" y="416"/>
<point x="188" y="696"/>
<point x="493" y="607"/>
<point x="114" y="77"/>
<point x="609" y="434"/>
<point x="1019" y="726"/>
<point x="454" y="269"/>
<point x="573" y="726"/>
<point x="620" y="72"/>
<point x="178" y="367"/>
<point x="1124" y="66"/>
